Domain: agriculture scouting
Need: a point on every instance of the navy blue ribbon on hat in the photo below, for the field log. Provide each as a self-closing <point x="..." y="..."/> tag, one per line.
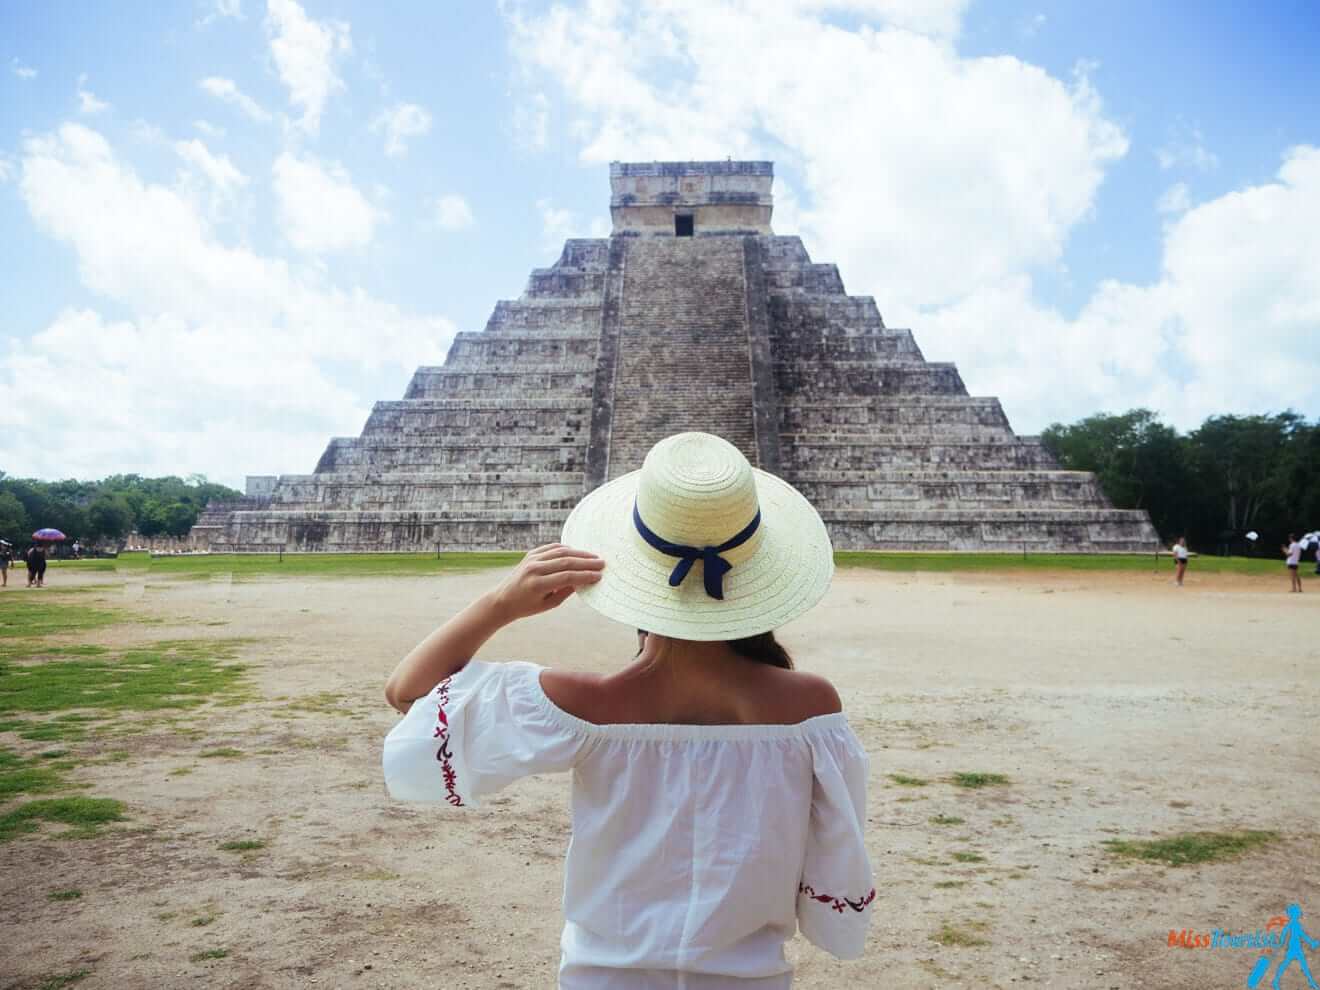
<point x="714" y="566"/>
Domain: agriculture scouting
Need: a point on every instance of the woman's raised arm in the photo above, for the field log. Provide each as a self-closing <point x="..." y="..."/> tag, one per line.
<point x="542" y="580"/>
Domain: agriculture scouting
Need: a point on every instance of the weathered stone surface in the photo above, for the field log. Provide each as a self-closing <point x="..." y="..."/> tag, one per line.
<point x="624" y="340"/>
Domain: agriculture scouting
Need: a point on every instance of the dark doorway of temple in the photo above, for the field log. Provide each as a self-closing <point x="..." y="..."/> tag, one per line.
<point x="683" y="225"/>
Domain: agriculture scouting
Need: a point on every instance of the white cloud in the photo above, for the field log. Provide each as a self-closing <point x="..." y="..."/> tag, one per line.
<point x="320" y="209"/>
<point x="223" y="180"/>
<point x="452" y="212"/>
<point x="531" y="120"/>
<point x="304" y="51"/>
<point x="401" y="122"/>
<point x="1186" y="149"/>
<point x="87" y="100"/>
<point x="227" y="91"/>
<point x="1230" y="324"/>
<point x="1175" y="199"/>
<point x="222" y="361"/>
<point x="22" y="70"/>
<point x="209" y="129"/>
<point x="7" y="167"/>
<point x="221" y="9"/>
<point x="989" y="154"/>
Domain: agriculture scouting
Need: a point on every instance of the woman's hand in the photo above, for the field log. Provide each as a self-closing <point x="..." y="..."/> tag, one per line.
<point x="544" y="580"/>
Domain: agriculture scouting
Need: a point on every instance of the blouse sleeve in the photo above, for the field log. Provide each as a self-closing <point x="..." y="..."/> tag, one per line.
<point x="477" y="732"/>
<point x="837" y="887"/>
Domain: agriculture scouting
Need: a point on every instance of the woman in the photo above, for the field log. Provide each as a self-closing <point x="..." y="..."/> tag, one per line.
<point x="1180" y="560"/>
<point x="719" y="796"/>
<point x="1293" y="558"/>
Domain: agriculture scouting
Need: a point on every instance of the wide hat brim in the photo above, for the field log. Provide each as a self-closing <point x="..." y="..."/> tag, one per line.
<point x="788" y="573"/>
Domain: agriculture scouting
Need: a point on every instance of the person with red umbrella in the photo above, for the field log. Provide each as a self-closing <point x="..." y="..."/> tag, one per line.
<point x="36" y="556"/>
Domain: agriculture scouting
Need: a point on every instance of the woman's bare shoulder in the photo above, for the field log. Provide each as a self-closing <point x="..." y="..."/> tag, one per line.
<point x="574" y="691"/>
<point x="811" y="694"/>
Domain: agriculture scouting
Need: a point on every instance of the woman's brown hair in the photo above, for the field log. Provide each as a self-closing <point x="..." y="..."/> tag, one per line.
<point x="763" y="649"/>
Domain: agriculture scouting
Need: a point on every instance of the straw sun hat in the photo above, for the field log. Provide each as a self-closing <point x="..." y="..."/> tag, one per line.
<point x="700" y="545"/>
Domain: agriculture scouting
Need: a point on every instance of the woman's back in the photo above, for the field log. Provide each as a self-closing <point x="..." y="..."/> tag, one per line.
<point x="704" y="684"/>
<point x="697" y="850"/>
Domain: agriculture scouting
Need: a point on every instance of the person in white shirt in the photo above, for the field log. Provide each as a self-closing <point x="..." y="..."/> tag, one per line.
<point x="1294" y="560"/>
<point x="719" y="794"/>
<point x="1180" y="556"/>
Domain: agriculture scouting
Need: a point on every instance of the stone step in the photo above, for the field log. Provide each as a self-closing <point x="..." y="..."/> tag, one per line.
<point x="351" y="532"/>
<point x="513" y="351"/>
<point x="440" y="424"/>
<point x="483" y="402"/>
<point x="809" y="278"/>
<point x="827" y="380"/>
<point x="884" y="345"/>
<point x="525" y="453"/>
<point x="559" y="381"/>
<point x="544" y="316"/>
<point x="793" y="309"/>
<point x="549" y="282"/>
<point x="982" y="530"/>
<point x="874" y="494"/>
<point x="890" y="413"/>
<point x="860" y="456"/>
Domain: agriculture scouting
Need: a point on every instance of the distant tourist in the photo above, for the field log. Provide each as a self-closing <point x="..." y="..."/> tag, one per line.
<point x="36" y="565"/>
<point x="1294" y="561"/>
<point x="1180" y="556"/>
<point x="719" y="795"/>
<point x="6" y="557"/>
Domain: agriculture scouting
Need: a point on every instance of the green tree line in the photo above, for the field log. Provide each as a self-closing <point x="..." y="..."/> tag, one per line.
<point x="1214" y="484"/>
<point x="98" y="511"/>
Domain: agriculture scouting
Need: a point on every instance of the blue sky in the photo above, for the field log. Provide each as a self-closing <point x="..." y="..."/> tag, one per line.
<point x="230" y="225"/>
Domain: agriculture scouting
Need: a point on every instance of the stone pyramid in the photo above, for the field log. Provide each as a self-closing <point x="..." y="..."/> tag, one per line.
<point x="692" y="315"/>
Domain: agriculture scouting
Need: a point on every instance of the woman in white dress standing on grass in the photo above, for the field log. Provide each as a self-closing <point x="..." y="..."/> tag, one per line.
<point x="719" y="795"/>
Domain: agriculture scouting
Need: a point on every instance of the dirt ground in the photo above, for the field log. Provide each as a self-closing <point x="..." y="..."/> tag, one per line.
<point x="1117" y="705"/>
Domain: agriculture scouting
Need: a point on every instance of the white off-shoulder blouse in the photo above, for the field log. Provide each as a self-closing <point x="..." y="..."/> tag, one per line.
<point x="697" y="850"/>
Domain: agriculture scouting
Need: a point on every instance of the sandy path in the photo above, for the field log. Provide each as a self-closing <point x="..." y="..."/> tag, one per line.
<point x="1116" y="704"/>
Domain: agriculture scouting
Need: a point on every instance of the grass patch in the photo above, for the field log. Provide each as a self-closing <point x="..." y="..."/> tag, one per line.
<point x="84" y="816"/>
<point x="28" y="618"/>
<point x="64" y="895"/>
<point x="243" y="565"/>
<point x="203" y="921"/>
<point x="180" y="674"/>
<point x="223" y="752"/>
<point x="966" y="857"/>
<point x="980" y="780"/>
<point x="208" y="955"/>
<point x="64" y="980"/>
<point x="903" y="780"/>
<point x="945" y="820"/>
<point x="950" y="884"/>
<point x="911" y="562"/>
<point x="19" y="776"/>
<point x="961" y="938"/>
<point x="243" y="845"/>
<point x="1191" y="847"/>
<point x="180" y="772"/>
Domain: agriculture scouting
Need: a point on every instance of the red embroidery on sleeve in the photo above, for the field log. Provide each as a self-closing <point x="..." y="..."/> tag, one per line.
<point x="444" y="755"/>
<point x="838" y="903"/>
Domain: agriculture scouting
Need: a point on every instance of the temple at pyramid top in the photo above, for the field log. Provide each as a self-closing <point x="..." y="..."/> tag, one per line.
<point x="690" y="199"/>
<point x="692" y="315"/>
